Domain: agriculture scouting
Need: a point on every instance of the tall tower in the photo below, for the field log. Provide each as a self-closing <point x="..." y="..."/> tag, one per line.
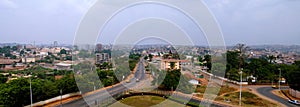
<point x="98" y="47"/>
<point x="55" y="44"/>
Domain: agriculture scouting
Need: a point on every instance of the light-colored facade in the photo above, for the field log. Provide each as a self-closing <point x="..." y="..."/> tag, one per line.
<point x="169" y="64"/>
<point x="63" y="66"/>
<point x="28" y="60"/>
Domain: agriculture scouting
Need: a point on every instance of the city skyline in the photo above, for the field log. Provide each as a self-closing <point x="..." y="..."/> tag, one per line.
<point x="149" y="52"/>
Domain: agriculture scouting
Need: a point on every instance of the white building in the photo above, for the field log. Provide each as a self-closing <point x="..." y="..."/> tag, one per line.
<point x="28" y="60"/>
<point x="63" y="66"/>
<point x="171" y="64"/>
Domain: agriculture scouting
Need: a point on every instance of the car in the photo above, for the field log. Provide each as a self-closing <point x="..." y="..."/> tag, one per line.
<point x="137" y="80"/>
<point x="296" y="102"/>
<point x="275" y="86"/>
<point x="128" y="81"/>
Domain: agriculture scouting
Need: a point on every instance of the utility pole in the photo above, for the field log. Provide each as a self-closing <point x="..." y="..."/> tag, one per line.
<point x="279" y="78"/>
<point x="60" y="97"/>
<point x="241" y="72"/>
<point x="30" y="91"/>
<point x="29" y="83"/>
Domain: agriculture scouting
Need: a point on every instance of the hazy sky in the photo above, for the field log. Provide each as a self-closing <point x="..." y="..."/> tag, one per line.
<point x="252" y="22"/>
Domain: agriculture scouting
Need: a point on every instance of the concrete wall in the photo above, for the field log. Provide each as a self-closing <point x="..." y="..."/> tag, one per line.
<point x="294" y="93"/>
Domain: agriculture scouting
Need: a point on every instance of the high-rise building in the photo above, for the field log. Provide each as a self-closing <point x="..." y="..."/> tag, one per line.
<point x="55" y="44"/>
<point x="98" y="47"/>
<point x="101" y="58"/>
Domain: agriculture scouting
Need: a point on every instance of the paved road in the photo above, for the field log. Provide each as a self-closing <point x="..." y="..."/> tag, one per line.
<point x="266" y="91"/>
<point x="104" y="95"/>
<point x="263" y="90"/>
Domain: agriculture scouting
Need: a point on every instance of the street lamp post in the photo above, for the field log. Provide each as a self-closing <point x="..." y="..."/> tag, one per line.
<point x="30" y="91"/>
<point x="241" y="72"/>
<point x="94" y="86"/>
<point x="60" y="97"/>
<point x="279" y="78"/>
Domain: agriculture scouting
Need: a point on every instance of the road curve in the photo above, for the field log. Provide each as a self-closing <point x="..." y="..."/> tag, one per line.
<point x="98" y="97"/>
<point x="101" y="96"/>
<point x="267" y="92"/>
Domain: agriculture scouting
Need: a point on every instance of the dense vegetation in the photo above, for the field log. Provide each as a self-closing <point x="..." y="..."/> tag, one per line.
<point x="133" y="60"/>
<point x="293" y="75"/>
<point x="3" y="78"/>
<point x="263" y="68"/>
<point x="6" y="51"/>
<point x="173" y="80"/>
<point x="44" y="86"/>
<point x="107" y="77"/>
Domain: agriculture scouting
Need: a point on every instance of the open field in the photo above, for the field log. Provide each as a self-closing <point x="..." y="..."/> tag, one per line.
<point x="230" y="96"/>
<point x="248" y="100"/>
<point x="146" y="101"/>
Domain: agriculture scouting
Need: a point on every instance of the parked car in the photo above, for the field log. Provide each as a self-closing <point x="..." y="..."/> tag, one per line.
<point x="275" y="86"/>
<point x="296" y="102"/>
<point x="137" y="80"/>
<point x="128" y="81"/>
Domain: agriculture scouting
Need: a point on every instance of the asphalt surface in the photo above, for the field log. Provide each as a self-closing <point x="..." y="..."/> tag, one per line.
<point x="103" y="95"/>
<point x="266" y="91"/>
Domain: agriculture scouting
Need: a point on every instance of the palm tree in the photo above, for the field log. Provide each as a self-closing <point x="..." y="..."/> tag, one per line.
<point x="242" y="49"/>
<point x="271" y="58"/>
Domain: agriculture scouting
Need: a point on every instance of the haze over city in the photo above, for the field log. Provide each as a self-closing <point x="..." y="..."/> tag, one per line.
<point x="253" y="22"/>
<point x="169" y="53"/>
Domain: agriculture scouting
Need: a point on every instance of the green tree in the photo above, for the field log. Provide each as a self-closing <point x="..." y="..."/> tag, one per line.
<point x="219" y="69"/>
<point x="297" y="63"/>
<point x="132" y="64"/>
<point x="207" y="59"/>
<point x="27" y="49"/>
<point x="63" y="51"/>
<point x="107" y="77"/>
<point x="14" y="48"/>
<point x="49" y="89"/>
<point x="233" y="74"/>
<point x="256" y="64"/>
<point x="3" y="79"/>
<point x="232" y="60"/>
<point x="16" y="93"/>
<point x="22" y="52"/>
<point x="150" y="57"/>
<point x="13" y="57"/>
<point x="146" y="57"/>
<point x="242" y="50"/>
<point x="271" y="58"/>
<point x="171" y="80"/>
<point x="67" y="84"/>
<point x="172" y="65"/>
<point x="293" y="79"/>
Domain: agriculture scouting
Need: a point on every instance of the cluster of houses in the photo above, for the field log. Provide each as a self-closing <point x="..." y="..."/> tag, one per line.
<point x="277" y="56"/>
<point x="29" y="55"/>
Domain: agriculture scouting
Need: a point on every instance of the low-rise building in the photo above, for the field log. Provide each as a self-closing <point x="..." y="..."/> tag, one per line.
<point x="169" y="64"/>
<point x="28" y="60"/>
<point x="63" y="66"/>
<point x="6" y="63"/>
